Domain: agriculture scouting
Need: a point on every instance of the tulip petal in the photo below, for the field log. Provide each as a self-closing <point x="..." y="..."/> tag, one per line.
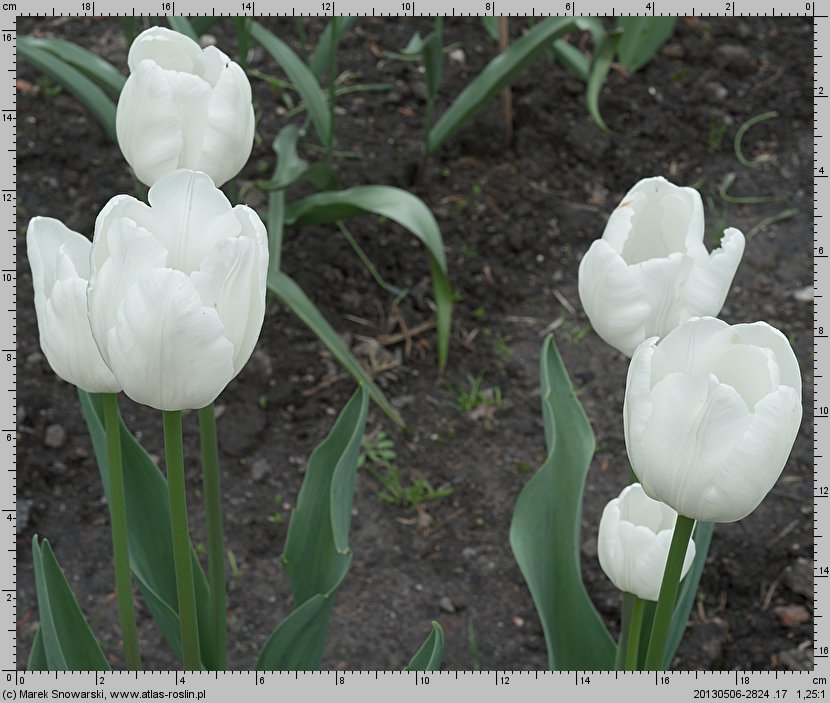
<point x="59" y="258"/>
<point x="229" y="133"/>
<point x="661" y="284"/>
<point x="691" y="347"/>
<point x="167" y="348"/>
<point x="126" y="251"/>
<point x="193" y="215"/>
<point x="637" y="405"/>
<point x="764" y="335"/>
<point x="67" y="342"/>
<point x="756" y="461"/>
<point x="169" y="49"/>
<point x="705" y="290"/>
<point x="229" y="283"/>
<point x="694" y="424"/>
<point x="50" y="246"/>
<point x="611" y="294"/>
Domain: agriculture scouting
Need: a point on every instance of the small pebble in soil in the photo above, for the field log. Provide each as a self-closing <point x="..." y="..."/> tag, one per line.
<point x="735" y="57"/>
<point x="54" y="437"/>
<point x="792" y="615"/>
<point x="715" y="92"/>
<point x="796" y="659"/>
<point x="260" y="469"/>
<point x="24" y="514"/>
<point x="674" y="50"/>
<point x="446" y="604"/>
<point x="798" y="577"/>
<point x="804" y="295"/>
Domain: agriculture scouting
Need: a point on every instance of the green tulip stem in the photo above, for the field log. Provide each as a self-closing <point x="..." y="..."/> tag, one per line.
<point x="632" y="647"/>
<point x="182" y="559"/>
<point x="668" y="593"/>
<point x="120" y="544"/>
<point x="625" y="625"/>
<point x="216" y="547"/>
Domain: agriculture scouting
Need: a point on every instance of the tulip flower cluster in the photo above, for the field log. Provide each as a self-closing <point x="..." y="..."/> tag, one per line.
<point x="168" y="300"/>
<point x="711" y="410"/>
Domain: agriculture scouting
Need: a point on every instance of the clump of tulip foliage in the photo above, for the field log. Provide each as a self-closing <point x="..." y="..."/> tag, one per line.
<point x="166" y="304"/>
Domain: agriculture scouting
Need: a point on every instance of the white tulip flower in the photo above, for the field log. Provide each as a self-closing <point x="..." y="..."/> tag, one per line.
<point x="710" y="415"/>
<point x="651" y="271"/>
<point x="177" y="290"/>
<point x="183" y="107"/>
<point x="635" y="534"/>
<point x="59" y="259"/>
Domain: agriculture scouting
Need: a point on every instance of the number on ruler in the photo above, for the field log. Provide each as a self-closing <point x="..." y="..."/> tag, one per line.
<point x="7" y="37"/>
<point x="326" y="7"/>
<point x="649" y="7"/>
<point x="7" y="197"/>
<point x="567" y="7"/>
<point x="247" y="7"/>
<point x="406" y="6"/>
<point x="823" y="490"/>
<point x="86" y="6"/>
<point x="166" y="7"/>
<point x="821" y="250"/>
<point x="729" y="7"/>
<point x="488" y="7"/>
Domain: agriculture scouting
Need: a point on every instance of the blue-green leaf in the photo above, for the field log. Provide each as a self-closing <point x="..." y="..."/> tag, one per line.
<point x="428" y="657"/>
<point x="600" y="65"/>
<point x="497" y="74"/>
<point x="37" y="654"/>
<point x="547" y="514"/>
<point x="301" y="78"/>
<point x="93" y="66"/>
<point x="642" y="37"/>
<point x="100" y="106"/>
<point x="405" y="209"/>
<point x="66" y="640"/>
<point x="150" y="535"/>
<point x="317" y="555"/>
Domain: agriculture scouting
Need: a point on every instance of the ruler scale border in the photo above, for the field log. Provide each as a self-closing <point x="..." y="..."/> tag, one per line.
<point x="261" y="686"/>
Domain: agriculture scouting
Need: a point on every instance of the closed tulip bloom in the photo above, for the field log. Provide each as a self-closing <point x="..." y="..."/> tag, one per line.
<point x="710" y="415"/>
<point x="650" y="271"/>
<point x="183" y="107"/>
<point x="633" y="544"/>
<point x="177" y="290"/>
<point x="59" y="259"/>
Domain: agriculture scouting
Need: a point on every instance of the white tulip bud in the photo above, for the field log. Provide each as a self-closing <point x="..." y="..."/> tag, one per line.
<point x="183" y="107"/>
<point x="635" y="534"/>
<point x="651" y="271"/>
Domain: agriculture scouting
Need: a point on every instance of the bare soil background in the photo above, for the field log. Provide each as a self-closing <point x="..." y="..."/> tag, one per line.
<point x="516" y="218"/>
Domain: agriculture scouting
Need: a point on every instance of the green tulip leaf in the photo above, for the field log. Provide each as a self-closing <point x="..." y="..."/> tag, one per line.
<point x="491" y="26"/>
<point x="428" y="657"/>
<point x="91" y="65"/>
<point x="597" y="74"/>
<point x="317" y="555"/>
<point x="301" y="78"/>
<point x="67" y="643"/>
<point x="183" y="26"/>
<point x="321" y="57"/>
<point x="405" y="209"/>
<point x="150" y="535"/>
<point x="548" y="512"/>
<point x="497" y="74"/>
<point x="293" y="297"/>
<point x="572" y="59"/>
<point x="201" y="25"/>
<point x="99" y="104"/>
<point x="642" y="37"/>
<point x="37" y="654"/>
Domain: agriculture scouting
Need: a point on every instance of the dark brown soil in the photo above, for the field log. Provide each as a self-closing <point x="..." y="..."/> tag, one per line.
<point x="516" y="218"/>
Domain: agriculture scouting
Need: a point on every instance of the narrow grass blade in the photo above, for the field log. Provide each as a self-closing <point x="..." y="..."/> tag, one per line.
<point x="597" y="74"/>
<point x="405" y="209"/>
<point x="91" y="65"/>
<point x="285" y="288"/>
<point x="301" y="77"/>
<point x="322" y="52"/>
<point x="100" y="106"/>
<point x="498" y="73"/>
<point x="183" y="26"/>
